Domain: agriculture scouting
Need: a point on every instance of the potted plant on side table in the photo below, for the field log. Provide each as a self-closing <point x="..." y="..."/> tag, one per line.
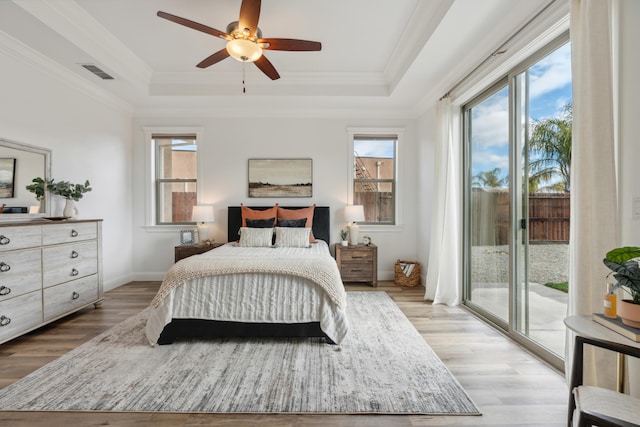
<point x="624" y="266"/>
<point x="72" y="193"/>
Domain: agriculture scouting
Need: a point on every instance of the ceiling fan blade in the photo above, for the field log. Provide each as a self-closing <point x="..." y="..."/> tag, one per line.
<point x="249" y="15"/>
<point x="216" y="57"/>
<point x="267" y="67"/>
<point x="290" y="44"/>
<point x="194" y="25"/>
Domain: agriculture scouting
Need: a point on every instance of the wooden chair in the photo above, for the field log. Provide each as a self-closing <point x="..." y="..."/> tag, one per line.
<point x="595" y="406"/>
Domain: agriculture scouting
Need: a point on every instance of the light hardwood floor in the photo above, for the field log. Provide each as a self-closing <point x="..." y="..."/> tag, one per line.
<point x="510" y="386"/>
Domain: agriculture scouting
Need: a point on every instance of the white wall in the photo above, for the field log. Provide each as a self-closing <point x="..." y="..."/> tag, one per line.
<point x="88" y="141"/>
<point x="629" y="140"/>
<point x="228" y="144"/>
<point x="628" y="123"/>
<point x="426" y="151"/>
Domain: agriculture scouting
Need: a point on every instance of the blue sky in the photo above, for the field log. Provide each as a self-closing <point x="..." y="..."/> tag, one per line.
<point x="549" y="92"/>
<point x="374" y="148"/>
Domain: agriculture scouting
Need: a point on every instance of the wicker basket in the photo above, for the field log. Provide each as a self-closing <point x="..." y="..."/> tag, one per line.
<point x="402" y="279"/>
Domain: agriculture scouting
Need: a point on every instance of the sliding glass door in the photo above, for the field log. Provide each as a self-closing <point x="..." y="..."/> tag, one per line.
<point x="487" y="131"/>
<point x="517" y="164"/>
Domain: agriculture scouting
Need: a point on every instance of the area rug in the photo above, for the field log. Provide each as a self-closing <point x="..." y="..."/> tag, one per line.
<point x="383" y="367"/>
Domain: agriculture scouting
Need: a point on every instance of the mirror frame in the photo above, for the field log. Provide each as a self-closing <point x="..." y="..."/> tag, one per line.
<point x="47" y="175"/>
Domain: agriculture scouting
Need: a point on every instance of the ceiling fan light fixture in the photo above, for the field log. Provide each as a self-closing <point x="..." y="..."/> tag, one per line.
<point x="244" y="50"/>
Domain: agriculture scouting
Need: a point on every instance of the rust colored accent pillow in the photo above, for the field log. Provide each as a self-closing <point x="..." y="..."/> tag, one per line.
<point x="299" y="214"/>
<point x="248" y="213"/>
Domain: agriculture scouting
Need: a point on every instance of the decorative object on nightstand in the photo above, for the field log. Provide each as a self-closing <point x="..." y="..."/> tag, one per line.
<point x="187" y="238"/>
<point x="353" y="214"/>
<point x="366" y="240"/>
<point x="201" y="215"/>
<point x="343" y="237"/>
<point x="181" y="252"/>
<point x="358" y="263"/>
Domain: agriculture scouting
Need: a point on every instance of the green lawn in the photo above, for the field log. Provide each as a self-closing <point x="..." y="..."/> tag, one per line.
<point x="562" y="286"/>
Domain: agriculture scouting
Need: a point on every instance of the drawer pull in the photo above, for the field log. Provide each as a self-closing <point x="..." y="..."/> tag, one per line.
<point x="4" y="290"/>
<point x="75" y="295"/>
<point x="4" y="240"/>
<point x="4" y="320"/>
<point x="74" y="233"/>
<point x="74" y="272"/>
<point x="74" y="254"/>
<point x="4" y="267"/>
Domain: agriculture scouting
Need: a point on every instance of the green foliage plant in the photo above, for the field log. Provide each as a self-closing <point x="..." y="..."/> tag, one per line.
<point x="39" y="187"/>
<point x="68" y="190"/>
<point x="624" y="266"/>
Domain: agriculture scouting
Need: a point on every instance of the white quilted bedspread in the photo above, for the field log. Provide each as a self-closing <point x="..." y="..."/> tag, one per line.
<point x="248" y="285"/>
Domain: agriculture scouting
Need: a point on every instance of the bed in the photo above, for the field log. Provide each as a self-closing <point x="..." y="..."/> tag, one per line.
<point x="247" y="291"/>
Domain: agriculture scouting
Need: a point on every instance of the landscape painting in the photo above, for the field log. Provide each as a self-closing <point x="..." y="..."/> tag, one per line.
<point x="7" y="177"/>
<point x="280" y="178"/>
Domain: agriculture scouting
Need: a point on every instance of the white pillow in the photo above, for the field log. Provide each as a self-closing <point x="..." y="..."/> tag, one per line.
<point x="292" y="237"/>
<point x="256" y="237"/>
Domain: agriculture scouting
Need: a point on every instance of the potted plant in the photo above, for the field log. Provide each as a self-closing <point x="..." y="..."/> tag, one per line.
<point x="39" y="188"/>
<point x="72" y="193"/>
<point x="625" y="269"/>
<point x="343" y="237"/>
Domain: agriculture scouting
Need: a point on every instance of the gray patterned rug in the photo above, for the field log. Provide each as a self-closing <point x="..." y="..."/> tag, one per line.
<point x="383" y="367"/>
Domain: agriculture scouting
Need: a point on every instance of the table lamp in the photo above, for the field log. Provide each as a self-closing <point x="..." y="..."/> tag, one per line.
<point x="352" y="214"/>
<point x="202" y="214"/>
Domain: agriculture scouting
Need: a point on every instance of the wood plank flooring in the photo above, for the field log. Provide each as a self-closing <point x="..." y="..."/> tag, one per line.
<point x="510" y="386"/>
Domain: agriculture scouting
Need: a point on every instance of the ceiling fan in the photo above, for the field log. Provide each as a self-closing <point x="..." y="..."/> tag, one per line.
<point x="244" y="39"/>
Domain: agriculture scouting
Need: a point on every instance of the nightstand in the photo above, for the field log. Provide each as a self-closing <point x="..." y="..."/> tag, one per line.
<point x="186" y="251"/>
<point x="358" y="263"/>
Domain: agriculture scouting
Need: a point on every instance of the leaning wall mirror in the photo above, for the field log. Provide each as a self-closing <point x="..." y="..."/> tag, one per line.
<point x="19" y="164"/>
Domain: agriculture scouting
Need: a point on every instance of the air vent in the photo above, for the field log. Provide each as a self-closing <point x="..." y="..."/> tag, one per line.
<point x="97" y="71"/>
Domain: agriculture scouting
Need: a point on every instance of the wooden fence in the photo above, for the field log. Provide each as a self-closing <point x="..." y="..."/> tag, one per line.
<point x="548" y="217"/>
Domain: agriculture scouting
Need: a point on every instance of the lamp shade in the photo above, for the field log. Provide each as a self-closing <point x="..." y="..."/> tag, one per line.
<point x="354" y="213"/>
<point x="202" y="213"/>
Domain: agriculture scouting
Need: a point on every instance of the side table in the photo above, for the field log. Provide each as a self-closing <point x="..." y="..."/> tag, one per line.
<point x="358" y="263"/>
<point x="181" y="252"/>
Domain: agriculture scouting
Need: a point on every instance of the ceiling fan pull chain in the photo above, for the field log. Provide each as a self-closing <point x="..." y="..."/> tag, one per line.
<point x="244" y="88"/>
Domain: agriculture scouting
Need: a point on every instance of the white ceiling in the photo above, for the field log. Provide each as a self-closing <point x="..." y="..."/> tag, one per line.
<point x="383" y="55"/>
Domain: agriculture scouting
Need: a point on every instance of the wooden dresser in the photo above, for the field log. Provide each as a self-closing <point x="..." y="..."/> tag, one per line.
<point x="358" y="263"/>
<point x="47" y="270"/>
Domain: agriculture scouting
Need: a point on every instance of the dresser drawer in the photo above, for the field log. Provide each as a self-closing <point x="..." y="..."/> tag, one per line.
<point x="20" y="237"/>
<point x="67" y="232"/>
<point x="69" y="262"/>
<point x="20" y="273"/>
<point x="357" y="255"/>
<point x="69" y="296"/>
<point x="20" y="315"/>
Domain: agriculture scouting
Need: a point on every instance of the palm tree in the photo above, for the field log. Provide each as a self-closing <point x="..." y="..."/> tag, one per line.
<point x="550" y="151"/>
<point x="490" y="179"/>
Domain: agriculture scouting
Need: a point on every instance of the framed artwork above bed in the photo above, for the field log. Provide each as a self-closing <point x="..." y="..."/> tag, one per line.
<point x="280" y="178"/>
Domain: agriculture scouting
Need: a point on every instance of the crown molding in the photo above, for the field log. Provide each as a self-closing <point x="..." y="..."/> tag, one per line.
<point x="75" y="24"/>
<point x="25" y="54"/>
<point x="424" y="21"/>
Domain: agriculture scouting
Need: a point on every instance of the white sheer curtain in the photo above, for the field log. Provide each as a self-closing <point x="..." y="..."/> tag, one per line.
<point x="443" y="272"/>
<point x="594" y="225"/>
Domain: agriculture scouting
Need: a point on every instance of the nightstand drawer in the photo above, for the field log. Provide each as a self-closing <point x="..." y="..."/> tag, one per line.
<point x="357" y="255"/>
<point x="356" y="272"/>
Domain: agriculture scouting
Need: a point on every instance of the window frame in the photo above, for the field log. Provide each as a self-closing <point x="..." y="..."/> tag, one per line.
<point x="151" y="199"/>
<point x="398" y="134"/>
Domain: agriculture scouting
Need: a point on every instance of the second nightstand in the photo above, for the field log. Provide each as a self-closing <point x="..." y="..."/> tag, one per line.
<point x="358" y="263"/>
<point x="181" y="252"/>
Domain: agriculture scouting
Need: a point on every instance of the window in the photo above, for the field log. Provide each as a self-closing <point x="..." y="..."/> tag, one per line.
<point x="374" y="177"/>
<point x="175" y="176"/>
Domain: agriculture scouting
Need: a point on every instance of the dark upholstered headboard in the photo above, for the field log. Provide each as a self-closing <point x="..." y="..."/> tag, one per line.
<point x="321" y="221"/>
